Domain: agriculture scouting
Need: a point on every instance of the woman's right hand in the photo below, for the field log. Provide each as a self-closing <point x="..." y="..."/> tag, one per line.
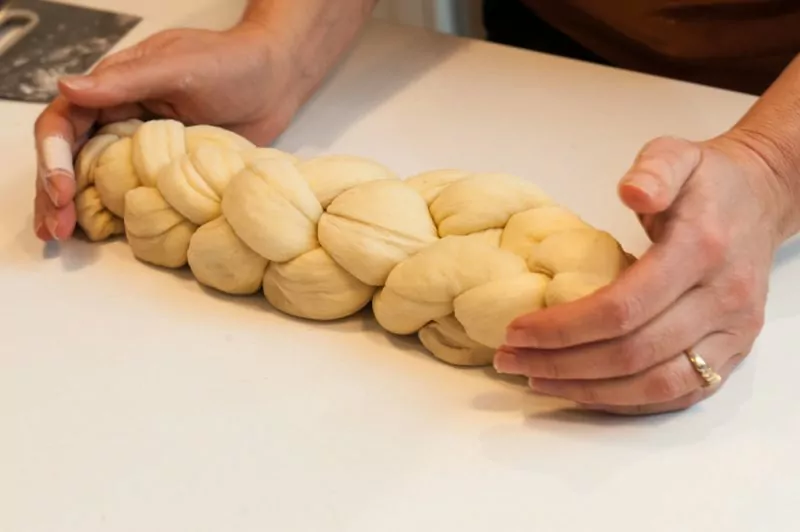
<point x="238" y="79"/>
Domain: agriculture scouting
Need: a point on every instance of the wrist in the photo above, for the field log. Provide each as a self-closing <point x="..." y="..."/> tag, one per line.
<point x="773" y="164"/>
<point x="307" y="37"/>
<point x="274" y="52"/>
<point x="770" y="131"/>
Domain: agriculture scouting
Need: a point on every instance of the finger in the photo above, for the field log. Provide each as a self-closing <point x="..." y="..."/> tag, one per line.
<point x="664" y="383"/>
<point x="124" y="111"/>
<point x="43" y="208"/>
<point x="56" y="131"/>
<point x="657" y="175"/>
<point x="680" y="327"/>
<point x="126" y="82"/>
<point x="121" y="56"/>
<point x="642" y="292"/>
<point x="163" y="109"/>
<point x="120" y="113"/>
<point x="264" y="133"/>
<point x="680" y="404"/>
<point x="51" y="222"/>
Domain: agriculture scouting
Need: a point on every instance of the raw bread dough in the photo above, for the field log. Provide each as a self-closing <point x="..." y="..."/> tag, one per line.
<point x="331" y="175"/>
<point x="220" y="260"/>
<point x="94" y="213"/>
<point x="448" y="255"/>
<point x="371" y="228"/>
<point x="314" y="286"/>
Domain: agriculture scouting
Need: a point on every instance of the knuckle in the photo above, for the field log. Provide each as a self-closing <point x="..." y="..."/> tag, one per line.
<point x="623" y="314"/>
<point x="712" y="241"/>
<point x="185" y="83"/>
<point x="741" y="294"/>
<point x="562" y="336"/>
<point x="550" y="367"/>
<point x="634" y="355"/>
<point x="108" y="62"/>
<point x="123" y="68"/>
<point x="742" y="286"/>
<point x="754" y="320"/>
<point x="666" y="145"/>
<point x="588" y="394"/>
<point x="628" y="363"/>
<point x="669" y="156"/>
<point x="665" y="385"/>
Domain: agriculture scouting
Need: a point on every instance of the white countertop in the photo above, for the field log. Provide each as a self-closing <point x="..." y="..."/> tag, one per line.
<point x="132" y="400"/>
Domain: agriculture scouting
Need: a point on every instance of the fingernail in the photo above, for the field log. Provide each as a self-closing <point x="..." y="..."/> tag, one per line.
<point x="507" y="363"/>
<point x="538" y="386"/>
<point x="645" y="183"/>
<point x="52" y="192"/>
<point x="78" y="83"/>
<point x="52" y="227"/>
<point x="535" y="390"/>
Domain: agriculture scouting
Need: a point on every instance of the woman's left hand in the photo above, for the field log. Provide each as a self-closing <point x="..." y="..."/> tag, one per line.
<point x="716" y="213"/>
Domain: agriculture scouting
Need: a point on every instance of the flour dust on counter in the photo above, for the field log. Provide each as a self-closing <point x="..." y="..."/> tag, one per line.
<point x="40" y="41"/>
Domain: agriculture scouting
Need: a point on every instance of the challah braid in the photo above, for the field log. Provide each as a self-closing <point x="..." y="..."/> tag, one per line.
<point x="449" y="255"/>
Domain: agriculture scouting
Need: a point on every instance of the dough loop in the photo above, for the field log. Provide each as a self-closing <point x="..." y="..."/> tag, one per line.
<point x="448" y="255"/>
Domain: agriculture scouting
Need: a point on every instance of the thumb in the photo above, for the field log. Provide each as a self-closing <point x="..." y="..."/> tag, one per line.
<point x="121" y="83"/>
<point x="657" y="175"/>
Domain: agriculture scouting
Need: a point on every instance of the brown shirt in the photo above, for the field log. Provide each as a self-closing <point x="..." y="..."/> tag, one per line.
<point x="737" y="44"/>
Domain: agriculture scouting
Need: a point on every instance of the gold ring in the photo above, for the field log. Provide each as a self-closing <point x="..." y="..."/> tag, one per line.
<point x="711" y="377"/>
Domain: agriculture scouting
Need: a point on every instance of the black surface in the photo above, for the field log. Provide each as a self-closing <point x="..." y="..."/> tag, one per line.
<point x="512" y="23"/>
<point x="67" y="40"/>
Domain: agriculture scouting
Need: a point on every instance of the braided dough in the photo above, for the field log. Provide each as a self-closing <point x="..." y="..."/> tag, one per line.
<point x="448" y="255"/>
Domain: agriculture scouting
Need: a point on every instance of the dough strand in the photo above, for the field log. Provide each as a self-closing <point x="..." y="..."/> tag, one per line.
<point x="448" y="255"/>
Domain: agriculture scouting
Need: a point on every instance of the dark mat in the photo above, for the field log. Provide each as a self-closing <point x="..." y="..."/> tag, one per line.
<point x="42" y="40"/>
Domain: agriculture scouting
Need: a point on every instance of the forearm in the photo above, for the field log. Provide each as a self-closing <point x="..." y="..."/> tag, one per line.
<point x="772" y="129"/>
<point x="314" y="33"/>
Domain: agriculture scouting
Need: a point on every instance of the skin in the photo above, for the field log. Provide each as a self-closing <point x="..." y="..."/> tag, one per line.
<point x="716" y="210"/>
<point x="251" y="79"/>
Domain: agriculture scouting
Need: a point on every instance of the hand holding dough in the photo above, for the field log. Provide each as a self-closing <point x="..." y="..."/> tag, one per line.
<point x="448" y="255"/>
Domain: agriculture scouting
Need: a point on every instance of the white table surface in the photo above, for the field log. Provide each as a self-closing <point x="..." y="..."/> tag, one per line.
<point x="132" y="400"/>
